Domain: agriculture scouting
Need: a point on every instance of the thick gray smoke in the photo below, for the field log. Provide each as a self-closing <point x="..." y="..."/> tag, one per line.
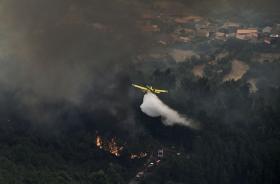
<point x="57" y="49"/>
<point x="154" y="107"/>
<point x="68" y="51"/>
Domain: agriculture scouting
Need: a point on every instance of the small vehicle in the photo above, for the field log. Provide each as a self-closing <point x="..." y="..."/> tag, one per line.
<point x="151" y="164"/>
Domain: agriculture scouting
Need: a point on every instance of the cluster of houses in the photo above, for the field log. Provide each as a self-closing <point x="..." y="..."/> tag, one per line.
<point x="187" y="28"/>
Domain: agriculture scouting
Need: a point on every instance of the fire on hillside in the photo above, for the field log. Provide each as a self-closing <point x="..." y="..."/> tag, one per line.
<point x="111" y="146"/>
<point x="115" y="149"/>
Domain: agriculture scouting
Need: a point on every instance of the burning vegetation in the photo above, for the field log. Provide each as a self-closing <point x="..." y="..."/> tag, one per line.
<point x="115" y="149"/>
<point x="111" y="146"/>
<point x="98" y="142"/>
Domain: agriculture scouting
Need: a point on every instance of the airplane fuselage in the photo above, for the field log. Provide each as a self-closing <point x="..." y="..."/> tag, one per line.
<point x="147" y="88"/>
<point x="151" y="89"/>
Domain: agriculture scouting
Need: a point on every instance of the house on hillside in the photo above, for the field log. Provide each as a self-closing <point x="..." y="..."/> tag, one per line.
<point x="267" y="30"/>
<point x="203" y="33"/>
<point x="229" y="24"/>
<point x="230" y="35"/>
<point x="220" y="36"/>
<point x="202" y="28"/>
<point x="184" y="32"/>
<point x="247" y="34"/>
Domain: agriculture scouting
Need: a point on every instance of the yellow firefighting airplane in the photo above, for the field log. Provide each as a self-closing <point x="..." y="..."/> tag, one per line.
<point x="149" y="89"/>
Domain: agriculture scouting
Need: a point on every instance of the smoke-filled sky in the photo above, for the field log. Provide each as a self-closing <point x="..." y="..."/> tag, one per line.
<point x="68" y="51"/>
<point x="77" y="52"/>
<point x="56" y="48"/>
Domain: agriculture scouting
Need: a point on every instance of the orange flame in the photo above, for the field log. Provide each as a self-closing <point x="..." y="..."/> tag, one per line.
<point x="110" y="146"/>
<point x="98" y="142"/>
<point x="114" y="148"/>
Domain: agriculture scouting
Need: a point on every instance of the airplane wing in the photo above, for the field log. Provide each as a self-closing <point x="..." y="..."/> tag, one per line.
<point x="140" y="87"/>
<point x="160" y="91"/>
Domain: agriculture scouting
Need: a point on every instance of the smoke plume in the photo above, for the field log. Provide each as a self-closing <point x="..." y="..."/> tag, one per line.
<point x="154" y="107"/>
<point x="68" y="52"/>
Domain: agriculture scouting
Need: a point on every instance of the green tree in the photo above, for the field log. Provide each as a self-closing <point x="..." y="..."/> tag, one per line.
<point x="99" y="177"/>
